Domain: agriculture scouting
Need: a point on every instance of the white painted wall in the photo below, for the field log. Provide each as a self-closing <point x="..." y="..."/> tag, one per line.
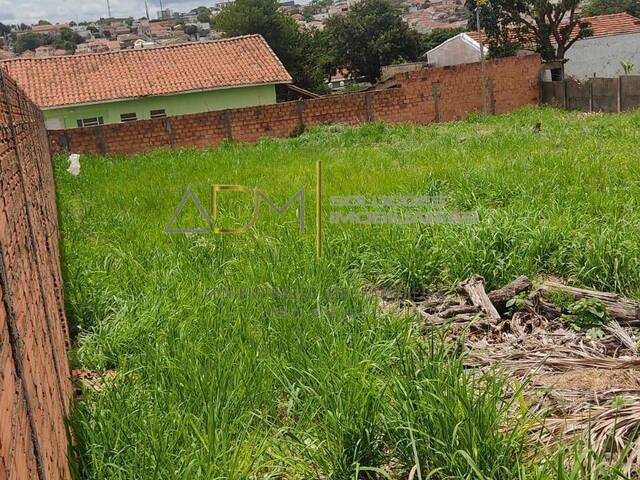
<point x="602" y="56"/>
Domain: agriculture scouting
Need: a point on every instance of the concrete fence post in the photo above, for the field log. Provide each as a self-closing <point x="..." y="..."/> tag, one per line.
<point x="63" y="141"/>
<point x="619" y="94"/>
<point x="300" y="113"/>
<point x="226" y="122"/>
<point x="168" y="126"/>
<point x="492" y="96"/>
<point x="102" y="146"/>
<point x="435" y="92"/>
<point x="368" y="105"/>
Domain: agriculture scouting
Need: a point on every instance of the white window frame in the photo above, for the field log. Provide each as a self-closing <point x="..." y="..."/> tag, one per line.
<point x="90" y="121"/>
<point x="159" y="113"/>
<point x="128" y="117"/>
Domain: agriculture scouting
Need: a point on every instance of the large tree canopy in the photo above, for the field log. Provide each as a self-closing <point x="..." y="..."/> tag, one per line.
<point x="296" y="49"/>
<point x="436" y="37"/>
<point x="549" y="27"/>
<point x="605" y="7"/>
<point x="370" y="36"/>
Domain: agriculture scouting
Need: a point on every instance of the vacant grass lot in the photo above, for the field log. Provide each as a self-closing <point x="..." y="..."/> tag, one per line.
<point x="314" y="381"/>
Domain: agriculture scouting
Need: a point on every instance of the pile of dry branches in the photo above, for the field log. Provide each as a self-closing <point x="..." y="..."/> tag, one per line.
<point x="580" y="384"/>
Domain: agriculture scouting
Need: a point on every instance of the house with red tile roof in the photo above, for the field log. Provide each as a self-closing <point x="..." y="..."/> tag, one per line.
<point x="128" y="85"/>
<point x="615" y="38"/>
<point x="50" y="29"/>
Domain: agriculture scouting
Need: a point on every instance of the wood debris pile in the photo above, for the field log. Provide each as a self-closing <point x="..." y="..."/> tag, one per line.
<point x="581" y="384"/>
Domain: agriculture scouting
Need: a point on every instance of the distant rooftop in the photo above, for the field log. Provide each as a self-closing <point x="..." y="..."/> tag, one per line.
<point x="101" y="77"/>
<point x="602" y="25"/>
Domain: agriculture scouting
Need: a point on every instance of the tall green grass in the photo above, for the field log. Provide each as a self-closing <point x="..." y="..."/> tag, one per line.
<point x="323" y="384"/>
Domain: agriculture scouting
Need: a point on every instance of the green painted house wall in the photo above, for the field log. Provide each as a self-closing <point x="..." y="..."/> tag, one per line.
<point x="192" y="102"/>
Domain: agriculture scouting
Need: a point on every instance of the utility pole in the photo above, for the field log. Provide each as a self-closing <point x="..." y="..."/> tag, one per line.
<point x="146" y="9"/>
<point x="483" y="72"/>
<point x="109" y="8"/>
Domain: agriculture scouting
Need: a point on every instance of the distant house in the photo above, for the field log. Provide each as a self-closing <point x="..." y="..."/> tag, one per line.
<point x="44" y="51"/>
<point x="83" y="31"/>
<point x="127" y="40"/>
<point x="463" y="48"/>
<point x="140" y="43"/>
<point x="49" y="29"/>
<point x="129" y="85"/>
<point x="422" y="21"/>
<point x="615" y="39"/>
<point x="118" y="28"/>
<point x="153" y="28"/>
<point x="340" y="80"/>
<point x="97" y="45"/>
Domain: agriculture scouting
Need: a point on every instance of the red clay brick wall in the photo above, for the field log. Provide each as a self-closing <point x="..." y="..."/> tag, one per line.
<point x="35" y="386"/>
<point x="422" y="97"/>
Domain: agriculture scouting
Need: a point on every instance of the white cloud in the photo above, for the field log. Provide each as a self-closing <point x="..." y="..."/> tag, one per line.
<point x="30" y="11"/>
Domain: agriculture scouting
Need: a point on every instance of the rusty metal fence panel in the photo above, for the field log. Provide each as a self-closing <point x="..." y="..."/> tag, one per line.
<point x="595" y="95"/>
<point x="629" y="92"/>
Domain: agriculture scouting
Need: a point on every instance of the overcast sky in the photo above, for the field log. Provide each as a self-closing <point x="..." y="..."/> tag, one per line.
<point x="30" y="11"/>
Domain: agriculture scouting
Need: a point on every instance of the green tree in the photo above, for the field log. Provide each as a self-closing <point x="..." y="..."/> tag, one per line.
<point x="67" y="40"/>
<point x="293" y="47"/>
<point x="315" y="6"/>
<point x="203" y="14"/>
<point x="605" y="7"/>
<point x="204" y="17"/>
<point x="436" y="37"/>
<point x="4" y="29"/>
<point x="370" y="36"/>
<point x="30" y="41"/>
<point x="550" y="27"/>
<point x="190" y="30"/>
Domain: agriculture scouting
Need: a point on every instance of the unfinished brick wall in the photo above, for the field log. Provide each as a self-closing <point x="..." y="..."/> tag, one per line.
<point x="422" y="97"/>
<point x="35" y="387"/>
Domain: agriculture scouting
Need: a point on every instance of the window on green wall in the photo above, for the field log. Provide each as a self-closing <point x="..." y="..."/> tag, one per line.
<point x="128" y="117"/>
<point x="157" y="113"/>
<point x="90" y="122"/>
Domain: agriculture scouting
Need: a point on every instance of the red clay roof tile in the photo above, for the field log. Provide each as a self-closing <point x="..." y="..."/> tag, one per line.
<point x="601" y="25"/>
<point x="99" y="77"/>
<point x="613" y="24"/>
